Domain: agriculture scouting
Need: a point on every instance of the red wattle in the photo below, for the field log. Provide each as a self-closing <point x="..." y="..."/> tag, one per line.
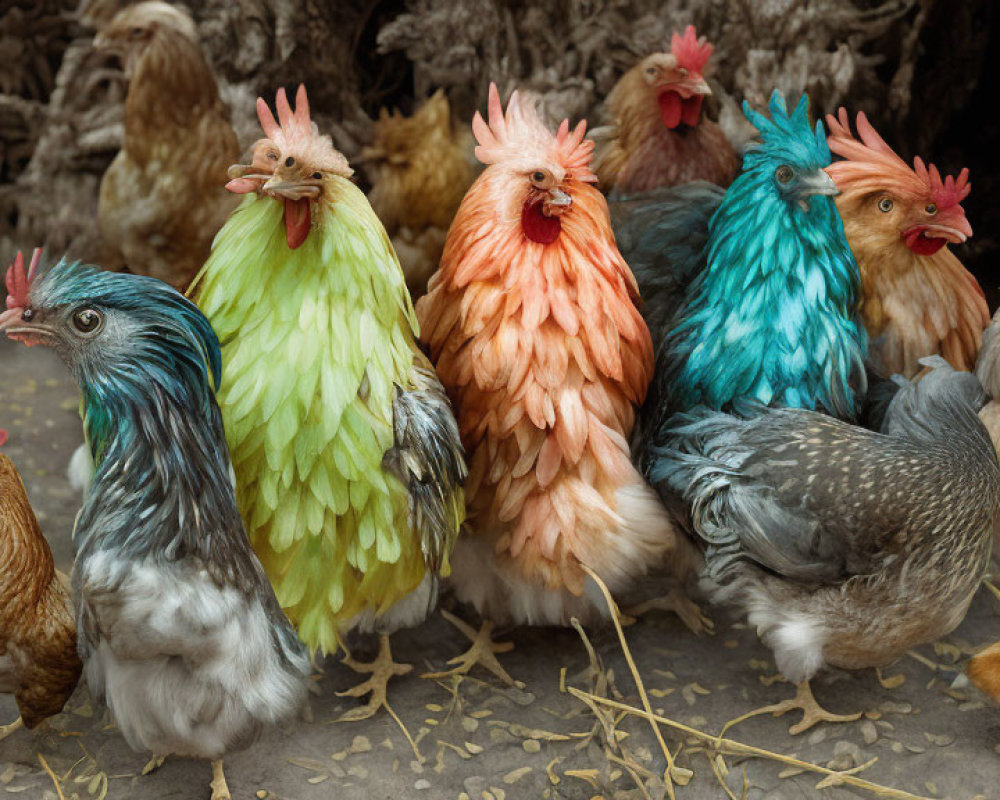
<point x="670" y="108"/>
<point x="297" y="221"/>
<point x="538" y="227"/>
<point x="691" y="110"/>
<point x="922" y="244"/>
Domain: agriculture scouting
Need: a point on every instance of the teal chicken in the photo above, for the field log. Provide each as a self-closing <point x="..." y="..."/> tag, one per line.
<point x="752" y="294"/>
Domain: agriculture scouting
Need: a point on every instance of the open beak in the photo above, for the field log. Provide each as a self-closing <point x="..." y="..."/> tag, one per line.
<point x="307" y="188"/>
<point x="949" y="234"/>
<point x="28" y="332"/>
<point x="556" y="203"/>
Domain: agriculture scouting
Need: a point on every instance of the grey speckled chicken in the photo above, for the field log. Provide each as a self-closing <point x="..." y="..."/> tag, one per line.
<point x="988" y="372"/>
<point x="844" y="547"/>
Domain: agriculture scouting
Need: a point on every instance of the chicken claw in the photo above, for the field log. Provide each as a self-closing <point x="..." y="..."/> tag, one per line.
<point x="675" y="600"/>
<point x="482" y="652"/>
<point x="812" y="711"/>
<point x="383" y="669"/>
<point x="220" y="789"/>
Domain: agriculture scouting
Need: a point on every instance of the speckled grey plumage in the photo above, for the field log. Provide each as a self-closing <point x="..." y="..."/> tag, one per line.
<point x="846" y="543"/>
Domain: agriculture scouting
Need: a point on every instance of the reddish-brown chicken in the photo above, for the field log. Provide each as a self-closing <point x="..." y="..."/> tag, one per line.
<point x="39" y="664"/>
<point x="420" y="167"/>
<point x="659" y="135"/>
<point x="984" y="671"/>
<point x="163" y="198"/>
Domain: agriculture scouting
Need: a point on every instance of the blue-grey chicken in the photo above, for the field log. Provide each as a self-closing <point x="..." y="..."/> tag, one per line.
<point x="178" y="628"/>
<point x="843" y="546"/>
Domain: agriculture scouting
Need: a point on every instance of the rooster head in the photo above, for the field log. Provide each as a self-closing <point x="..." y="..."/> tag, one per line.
<point x="292" y="164"/>
<point x="677" y="79"/>
<point x="19" y="281"/>
<point x="894" y="203"/>
<point x="542" y="170"/>
<point x="788" y="161"/>
<point x="129" y="33"/>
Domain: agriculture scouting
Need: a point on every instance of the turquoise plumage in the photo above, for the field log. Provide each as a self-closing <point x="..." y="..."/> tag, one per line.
<point x="771" y="311"/>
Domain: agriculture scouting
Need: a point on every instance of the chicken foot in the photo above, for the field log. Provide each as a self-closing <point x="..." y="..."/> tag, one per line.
<point x="483" y="651"/>
<point x="675" y="600"/>
<point x="812" y="711"/>
<point x="382" y="669"/>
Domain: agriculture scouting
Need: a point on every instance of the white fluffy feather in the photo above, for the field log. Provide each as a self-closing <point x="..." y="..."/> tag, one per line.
<point x="187" y="667"/>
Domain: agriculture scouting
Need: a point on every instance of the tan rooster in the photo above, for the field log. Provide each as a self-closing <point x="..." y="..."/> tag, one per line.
<point x="163" y="198"/>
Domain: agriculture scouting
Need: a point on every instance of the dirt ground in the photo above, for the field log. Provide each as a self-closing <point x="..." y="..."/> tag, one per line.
<point x="480" y="739"/>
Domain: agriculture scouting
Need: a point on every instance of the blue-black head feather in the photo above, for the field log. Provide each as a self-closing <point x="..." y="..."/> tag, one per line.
<point x="786" y="138"/>
<point x="132" y="342"/>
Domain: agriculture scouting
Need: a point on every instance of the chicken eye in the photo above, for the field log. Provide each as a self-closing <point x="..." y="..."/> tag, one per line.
<point x="784" y="173"/>
<point x="27" y="315"/>
<point x="318" y="175"/>
<point x="650" y="70"/>
<point x="931" y="209"/>
<point x="87" y="320"/>
<point x="136" y="33"/>
<point x="538" y="176"/>
<point x="885" y="205"/>
<point x="289" y="162"/>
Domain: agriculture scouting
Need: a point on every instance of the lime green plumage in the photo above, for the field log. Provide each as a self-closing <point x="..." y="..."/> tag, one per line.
<point x="314" y="342"/>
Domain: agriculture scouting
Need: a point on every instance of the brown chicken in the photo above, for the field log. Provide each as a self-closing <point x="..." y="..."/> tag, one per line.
<point x="984" y="671"/>
<point x="163" y="198"/>
<point x="917" y="298"/>
<point x="420" y="168"/>
<point x="39" y="664"/>
<point x="656" y="133"/>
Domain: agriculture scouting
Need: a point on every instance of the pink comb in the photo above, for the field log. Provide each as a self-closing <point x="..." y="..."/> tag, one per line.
<point x="691" y="52"/>
<point x="948" y="192"/>
<point x="19" y="281"/>
<point x="290" y="123"/>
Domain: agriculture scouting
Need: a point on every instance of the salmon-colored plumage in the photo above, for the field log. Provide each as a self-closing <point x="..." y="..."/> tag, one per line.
<point x="546" y="357"/>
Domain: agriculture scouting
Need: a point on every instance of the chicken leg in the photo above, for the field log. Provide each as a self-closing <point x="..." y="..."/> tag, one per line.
<point x="483" y="651"/>
<point x="220" y="789"/>
<point x="382" y="669"/>
<point x="812" y="711"/>
<point x="675" y="600"/>
<point x="7" y="730"/>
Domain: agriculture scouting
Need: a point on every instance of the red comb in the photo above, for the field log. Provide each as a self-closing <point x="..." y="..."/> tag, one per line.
<point x="3" y="437"/>
<point x="691" y="52"/>
<point x="948" y="192"/>
<point x="19" y="281"/>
